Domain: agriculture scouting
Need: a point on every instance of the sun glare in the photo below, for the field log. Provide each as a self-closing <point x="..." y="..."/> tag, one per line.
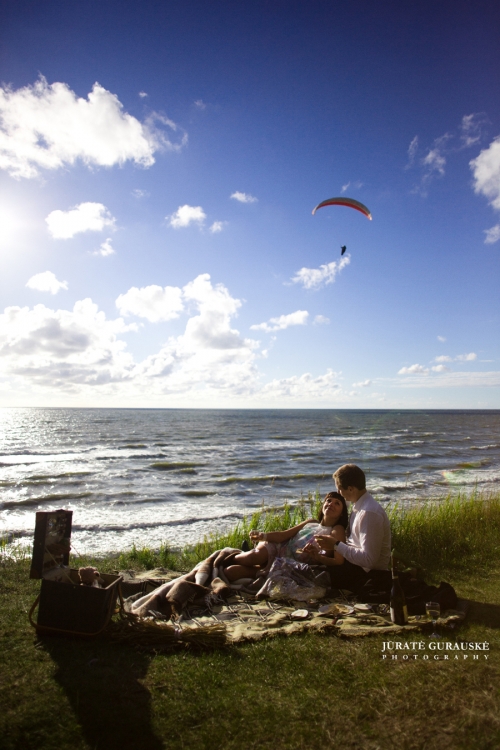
<point x="11" y="226"/>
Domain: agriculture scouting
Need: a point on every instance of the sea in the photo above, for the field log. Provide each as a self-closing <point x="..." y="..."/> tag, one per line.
<point x="171" y="476"/>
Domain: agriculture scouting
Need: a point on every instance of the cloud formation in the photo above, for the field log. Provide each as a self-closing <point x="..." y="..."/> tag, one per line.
<point x="433" y="163"/>
<point x="314" y="278"/>
<point x="413" y="370"/>
<point x="298" y="318"/>
<point x="105" y="248"/>
<point x="356" y="185"/>
<point x="471" y="129"/>
<point x="217" y="227"/>
<point x="362" y="384"/>
<point x="321" y="320"/>
<point x="486" y="172"/>
<point x="46" y="126"/>
<point x="186" y="215"/>
<point x="154" y="303"/>
<point x="303" y="387"/>
<point x="470" y="357"/>
<point x="86" y="217"/>
<point x="46" y="282"/>
<point x="77" y="350"/>
<point x="61" y="348"/>
<point x="243" y="197"/>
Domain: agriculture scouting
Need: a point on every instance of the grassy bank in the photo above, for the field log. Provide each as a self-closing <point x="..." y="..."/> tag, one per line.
<point x="444" y="537"/>
<point x="292" y="693"/>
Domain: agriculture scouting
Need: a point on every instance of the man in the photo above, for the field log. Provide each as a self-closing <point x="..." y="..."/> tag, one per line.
<point x="368" y="546"/>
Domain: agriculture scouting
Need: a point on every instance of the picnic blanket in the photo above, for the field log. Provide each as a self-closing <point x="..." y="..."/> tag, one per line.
<point x="248" y="620"/>
<point x="241" y="617"/>
<point x="207" y="584"/>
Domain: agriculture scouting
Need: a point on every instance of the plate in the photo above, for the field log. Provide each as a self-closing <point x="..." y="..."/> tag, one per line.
<point x="335" y="609"/>
<point x="300" y="614"/>
<point x="363" y="607"/>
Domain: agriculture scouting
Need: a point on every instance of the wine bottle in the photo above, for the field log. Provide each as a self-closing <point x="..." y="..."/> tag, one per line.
<point x="399" y="611"/>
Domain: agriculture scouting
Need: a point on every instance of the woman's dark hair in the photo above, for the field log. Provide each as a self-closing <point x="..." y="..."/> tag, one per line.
<point x="344" y="517"/>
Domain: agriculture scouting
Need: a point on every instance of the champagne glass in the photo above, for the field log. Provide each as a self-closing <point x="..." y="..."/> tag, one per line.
<point x="254" y="537"/>
<point x="433" y="610"/>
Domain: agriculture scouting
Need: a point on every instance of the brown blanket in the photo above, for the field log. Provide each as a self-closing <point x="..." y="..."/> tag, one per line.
<point x="202" y="586"/>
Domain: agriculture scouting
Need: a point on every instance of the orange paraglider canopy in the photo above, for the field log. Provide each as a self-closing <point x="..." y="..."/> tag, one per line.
<point x="342" y="201"/>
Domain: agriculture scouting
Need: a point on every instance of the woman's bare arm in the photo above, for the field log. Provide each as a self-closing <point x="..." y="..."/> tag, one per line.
<point x="328" y="557"/>
<point x="279" y="536"/>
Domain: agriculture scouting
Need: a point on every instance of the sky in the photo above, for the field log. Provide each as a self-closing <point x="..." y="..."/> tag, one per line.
<point x="159" y="163"/>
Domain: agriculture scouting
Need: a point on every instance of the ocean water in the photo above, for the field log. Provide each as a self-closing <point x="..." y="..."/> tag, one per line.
<point x="149" y="476"/>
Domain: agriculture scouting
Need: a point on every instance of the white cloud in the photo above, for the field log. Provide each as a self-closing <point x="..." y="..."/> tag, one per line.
<point x="186" y="215"/>
<point x="46" y="282"/>
<point x="356" y="185"/>
<point x="211" y="328"/>
<point x="105" y="248"/>
<point x="137" y="193"/>
<point x="471" y="129"/>
<point x="486" y="172"/>
<point x="303" y="387"/>
<point x="75" y="351"/>
<point x="434" y="161"/>
<point x="314" y="278"/>
<point x="413" y="369"/>
<point x="210" y="356"/>
<point x="441" y="338"/>
<point x="86" y="217"/>
<point x="154" y="303"/>
<point x="440" y="368"/>
<point x="298" y="318"/>
<point x="453" y="380"/>
<point x="61" y="348"/>
<point x="200" y="104"/>
<point x="46" y="126"/>
<point x="492" y="234"/>
<point x="142" y="94"/>
<point x="412" y="151"/>
<point x="217" y="226"/>
<point x="362" y="384"/>
<point x="244" y="197"/>
<point x="321" y="320"/>
<point x="459" y="358"/>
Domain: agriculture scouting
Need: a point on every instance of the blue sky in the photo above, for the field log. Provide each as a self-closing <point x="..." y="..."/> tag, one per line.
<point x="159" y="163"/>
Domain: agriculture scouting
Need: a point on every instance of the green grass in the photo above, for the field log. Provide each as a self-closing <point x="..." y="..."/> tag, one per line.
<point x="442" y="537"/>
<point x="294" y="693"/>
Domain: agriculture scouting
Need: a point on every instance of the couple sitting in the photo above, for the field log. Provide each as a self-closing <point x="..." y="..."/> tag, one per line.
<point x="323" y="541"/>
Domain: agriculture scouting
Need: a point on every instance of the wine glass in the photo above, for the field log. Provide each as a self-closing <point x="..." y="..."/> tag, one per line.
<point x="433" y="610"/>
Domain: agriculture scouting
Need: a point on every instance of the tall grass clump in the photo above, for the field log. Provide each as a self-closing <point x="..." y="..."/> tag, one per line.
<point x="452" y="534"/>
<point x="264" y="519"/>
<point x="449" y="535"/>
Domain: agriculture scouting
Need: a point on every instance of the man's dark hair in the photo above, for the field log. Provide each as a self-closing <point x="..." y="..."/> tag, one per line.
<point x="350" y="475"/>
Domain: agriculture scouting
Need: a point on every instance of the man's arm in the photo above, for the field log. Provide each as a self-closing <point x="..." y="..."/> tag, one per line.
<point x="371" y="535"/>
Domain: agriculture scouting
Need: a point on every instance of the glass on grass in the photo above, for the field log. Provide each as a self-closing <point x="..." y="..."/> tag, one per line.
<point x="433" y="610"/>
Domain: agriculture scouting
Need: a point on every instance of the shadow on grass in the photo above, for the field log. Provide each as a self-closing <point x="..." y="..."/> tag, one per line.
<point x="480" y="613"/>
<point x="104" y="686"/>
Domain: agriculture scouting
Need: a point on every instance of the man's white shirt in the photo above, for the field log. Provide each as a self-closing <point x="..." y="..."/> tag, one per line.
<point x="369" y="542"/>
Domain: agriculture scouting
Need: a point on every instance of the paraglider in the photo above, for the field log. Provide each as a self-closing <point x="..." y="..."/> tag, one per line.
<point x="343" y="201"/>
<point x="343" y="248"/>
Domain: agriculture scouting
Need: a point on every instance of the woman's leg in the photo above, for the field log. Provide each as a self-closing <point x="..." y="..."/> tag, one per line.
<point x="257" y="556"/>
<point x="247" y="564"/>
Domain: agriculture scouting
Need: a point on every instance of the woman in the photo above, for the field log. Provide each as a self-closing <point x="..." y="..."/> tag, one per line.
<point x="332" y="521"/>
